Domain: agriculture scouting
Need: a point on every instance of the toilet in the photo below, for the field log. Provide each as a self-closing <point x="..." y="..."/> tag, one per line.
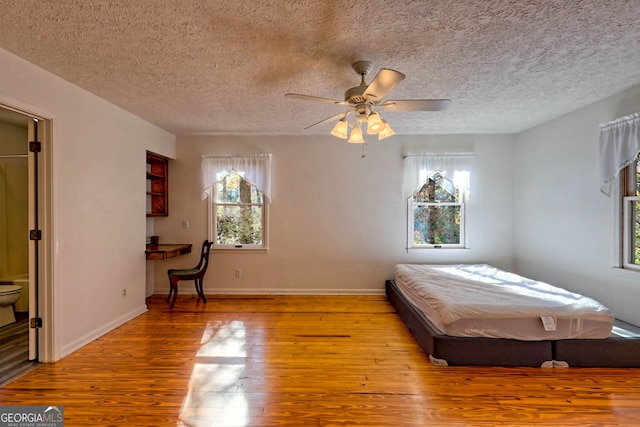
<point x="9" y="294"/>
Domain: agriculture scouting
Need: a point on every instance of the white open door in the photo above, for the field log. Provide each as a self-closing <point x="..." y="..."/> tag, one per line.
<point x="34" y="235"/>
<point x="38" y="228"/>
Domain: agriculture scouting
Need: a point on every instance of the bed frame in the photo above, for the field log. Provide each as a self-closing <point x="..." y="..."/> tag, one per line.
<point x="462" y="351"/>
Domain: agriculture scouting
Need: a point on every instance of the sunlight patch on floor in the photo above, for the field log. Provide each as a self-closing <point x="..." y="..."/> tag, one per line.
<point x="214" y="396"/>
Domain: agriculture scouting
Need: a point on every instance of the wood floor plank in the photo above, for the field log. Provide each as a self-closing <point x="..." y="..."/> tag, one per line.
<point x="305" y="361"/>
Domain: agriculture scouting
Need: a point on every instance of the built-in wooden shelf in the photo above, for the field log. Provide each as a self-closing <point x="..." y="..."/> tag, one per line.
<point x="157" y="185"/>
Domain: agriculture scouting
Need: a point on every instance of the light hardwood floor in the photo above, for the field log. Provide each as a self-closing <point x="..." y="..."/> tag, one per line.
<point x="305" y="361"/>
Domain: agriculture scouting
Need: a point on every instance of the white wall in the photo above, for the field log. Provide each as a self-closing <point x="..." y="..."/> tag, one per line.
<point x="98" y="166"/>
<point x="564" y="225"/>
<point x="337" y="221"/>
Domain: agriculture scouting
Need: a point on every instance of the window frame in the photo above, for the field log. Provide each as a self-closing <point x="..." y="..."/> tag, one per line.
<point x="628" y="197"/>
<point x="411" y="205"/>
<point x="212" y="219"/>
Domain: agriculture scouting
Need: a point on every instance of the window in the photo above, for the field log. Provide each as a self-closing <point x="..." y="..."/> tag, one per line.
<point x="437" y="214"/>
<point x="436" y="188"/>
<point x="239" y="192"/>
<point x="619" y="162"/>
<point x="631" y="215"/>
<point x="239" y="213"/>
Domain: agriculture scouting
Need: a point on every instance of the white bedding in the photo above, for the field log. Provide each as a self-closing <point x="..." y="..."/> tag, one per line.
<point x="478" y="300"/>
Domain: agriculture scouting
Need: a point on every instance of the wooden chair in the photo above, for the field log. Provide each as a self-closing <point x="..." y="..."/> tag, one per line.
<point x="196" y="274"/>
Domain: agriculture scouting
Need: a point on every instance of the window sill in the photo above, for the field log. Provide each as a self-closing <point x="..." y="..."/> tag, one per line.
<point x="240" y="250"/>
<point x="626" y="272"/>
<point x="438" y="248"/>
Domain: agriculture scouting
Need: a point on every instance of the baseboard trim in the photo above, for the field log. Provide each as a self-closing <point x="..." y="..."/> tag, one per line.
<point x="235" y="291"/>
<point x="86" y="339"/>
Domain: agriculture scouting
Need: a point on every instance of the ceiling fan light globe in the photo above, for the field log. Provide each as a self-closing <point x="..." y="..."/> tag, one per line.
<point x="386" y="131"/>
<point x="356" y="136"/>
<point x="340" y="129"/>
<point x="374" y="123"/>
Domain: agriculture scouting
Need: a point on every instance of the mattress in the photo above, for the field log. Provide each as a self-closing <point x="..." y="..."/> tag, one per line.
<point x="479" y="300"/>
<point x="445" y="350"/>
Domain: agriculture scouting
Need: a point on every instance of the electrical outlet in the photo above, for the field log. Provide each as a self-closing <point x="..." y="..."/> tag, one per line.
<point x="185" y="223"/>
<point x="238" y="272"/>
<point x="124" y="293"/>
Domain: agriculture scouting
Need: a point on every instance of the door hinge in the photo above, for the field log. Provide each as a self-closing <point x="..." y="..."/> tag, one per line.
<point x="35" y="234"/>
<point x="35" y="146"/>
<point x="35" y="322"/>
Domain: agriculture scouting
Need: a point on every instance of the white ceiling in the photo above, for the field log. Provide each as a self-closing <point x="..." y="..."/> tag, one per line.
<point x="206" y="66"/>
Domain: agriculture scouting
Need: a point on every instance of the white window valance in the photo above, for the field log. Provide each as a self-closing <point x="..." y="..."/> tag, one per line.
<point x="456" y="167"/>
<point x="619" y="147"/>
<point x="255" y="168"/>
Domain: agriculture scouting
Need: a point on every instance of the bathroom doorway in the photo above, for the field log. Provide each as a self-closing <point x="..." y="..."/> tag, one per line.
<point x="18" y="254"/>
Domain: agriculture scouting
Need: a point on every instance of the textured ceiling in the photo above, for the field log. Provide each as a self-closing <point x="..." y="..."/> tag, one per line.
<point x="205" y="66"/>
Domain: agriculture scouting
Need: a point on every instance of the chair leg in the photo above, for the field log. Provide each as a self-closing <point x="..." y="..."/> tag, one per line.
<point x="170" y="288"/>
<point x="202" y="292"/>
<point x="174" y="290"/>
<point x="198" y="285"/>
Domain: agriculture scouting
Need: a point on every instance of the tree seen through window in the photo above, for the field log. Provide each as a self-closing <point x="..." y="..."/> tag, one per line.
<point x="636" y="216"/>
<point x="239" y="211"/>
<point x="437" y="212"/>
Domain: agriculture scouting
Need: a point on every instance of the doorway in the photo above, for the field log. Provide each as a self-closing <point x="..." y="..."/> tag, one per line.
<point x="19" y="318"/>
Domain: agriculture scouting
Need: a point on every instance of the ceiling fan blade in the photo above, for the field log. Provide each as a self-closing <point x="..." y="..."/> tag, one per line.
<point x="416" y="105"/>
<point x="384" y="82"/>
<point x="314" y="98"/>
<point x="328" y="119"/>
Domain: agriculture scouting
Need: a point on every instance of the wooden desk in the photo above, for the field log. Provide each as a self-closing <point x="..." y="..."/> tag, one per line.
<point x="160" y="252"/>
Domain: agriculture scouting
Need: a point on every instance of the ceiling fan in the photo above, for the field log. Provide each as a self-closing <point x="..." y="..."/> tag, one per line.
<point x="363" y="101"/>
